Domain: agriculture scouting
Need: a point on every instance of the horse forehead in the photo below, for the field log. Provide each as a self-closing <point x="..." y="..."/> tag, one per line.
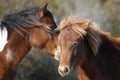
<point x="68" y="34"/>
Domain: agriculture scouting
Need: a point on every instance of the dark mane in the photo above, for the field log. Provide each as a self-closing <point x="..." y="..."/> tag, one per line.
<point x="20" y="19"/>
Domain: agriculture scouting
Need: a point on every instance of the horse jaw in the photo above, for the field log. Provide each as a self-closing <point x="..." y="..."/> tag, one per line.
<point x="3" y="38"/>
<point x="57" y="53"/>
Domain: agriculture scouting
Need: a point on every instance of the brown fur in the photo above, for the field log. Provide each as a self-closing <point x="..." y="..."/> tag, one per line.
<point x="96" y="53"/>
<point x="36" y="36"/>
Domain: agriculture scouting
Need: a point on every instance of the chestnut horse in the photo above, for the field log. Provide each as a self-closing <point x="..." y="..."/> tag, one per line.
<point x="83" y="45"/>
<point x="21" y="30"/>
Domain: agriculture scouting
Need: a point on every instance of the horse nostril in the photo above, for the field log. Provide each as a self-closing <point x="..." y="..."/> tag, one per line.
<point x="66" y="69"/>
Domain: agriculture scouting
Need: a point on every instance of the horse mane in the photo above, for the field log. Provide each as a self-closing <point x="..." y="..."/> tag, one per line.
<point x="84" y="28"/>
<point x="18" y="20"/>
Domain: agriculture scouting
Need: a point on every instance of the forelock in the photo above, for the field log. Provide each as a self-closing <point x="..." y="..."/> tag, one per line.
<point x="77" y="25"/>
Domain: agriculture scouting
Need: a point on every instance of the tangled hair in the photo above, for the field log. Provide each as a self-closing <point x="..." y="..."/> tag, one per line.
<point x="84" y="28"/>
<point x="18" y="20"/>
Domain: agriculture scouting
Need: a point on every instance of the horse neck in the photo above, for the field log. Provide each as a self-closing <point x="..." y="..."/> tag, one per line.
<point x="90" y="70"/>
<point x="110" y="44"/>
<point x="17" y="47"/>
<point x="110" y="47"/>
<point x="14" y="51"/>
<point x="100" y="65"/>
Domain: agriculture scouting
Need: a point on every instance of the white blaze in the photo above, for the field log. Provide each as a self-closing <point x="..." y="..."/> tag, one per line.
<point x="8" y="55"/>
<point x="3" y="38"/>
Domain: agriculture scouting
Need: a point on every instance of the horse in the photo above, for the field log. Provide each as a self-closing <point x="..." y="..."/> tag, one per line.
<point x="19" y="32"/>
<point x="85" y="47"/>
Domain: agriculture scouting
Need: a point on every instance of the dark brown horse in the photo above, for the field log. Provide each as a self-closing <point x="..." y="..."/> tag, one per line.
<point x="94" y="52"/>
<point x="21" y="30"/>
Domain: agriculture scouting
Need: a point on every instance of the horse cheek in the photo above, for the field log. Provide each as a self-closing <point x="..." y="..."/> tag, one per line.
<point x="37" y="40"/>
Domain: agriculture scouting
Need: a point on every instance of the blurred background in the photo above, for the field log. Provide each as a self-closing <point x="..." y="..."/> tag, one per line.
<point x="37" y="65"/>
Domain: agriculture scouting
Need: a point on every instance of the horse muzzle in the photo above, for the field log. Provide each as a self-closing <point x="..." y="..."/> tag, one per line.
<point x="64" y="71"/>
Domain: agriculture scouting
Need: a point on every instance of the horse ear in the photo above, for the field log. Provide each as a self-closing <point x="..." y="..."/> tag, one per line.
<point x="42" y="10"/>
<point x="94" y="39"/>
<point x="45" y="6"/>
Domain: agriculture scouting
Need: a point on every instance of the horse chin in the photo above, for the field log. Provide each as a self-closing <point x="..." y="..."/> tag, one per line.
<point x="64" y="75"/>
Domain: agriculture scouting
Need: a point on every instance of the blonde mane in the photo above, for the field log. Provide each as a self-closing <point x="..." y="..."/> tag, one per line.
<point x="83" y="27"/>
<point x="77" y="25"/>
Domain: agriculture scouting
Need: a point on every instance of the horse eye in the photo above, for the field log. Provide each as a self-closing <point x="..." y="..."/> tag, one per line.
<point x="50" y="27"/>
<point x="76" y="43"/>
